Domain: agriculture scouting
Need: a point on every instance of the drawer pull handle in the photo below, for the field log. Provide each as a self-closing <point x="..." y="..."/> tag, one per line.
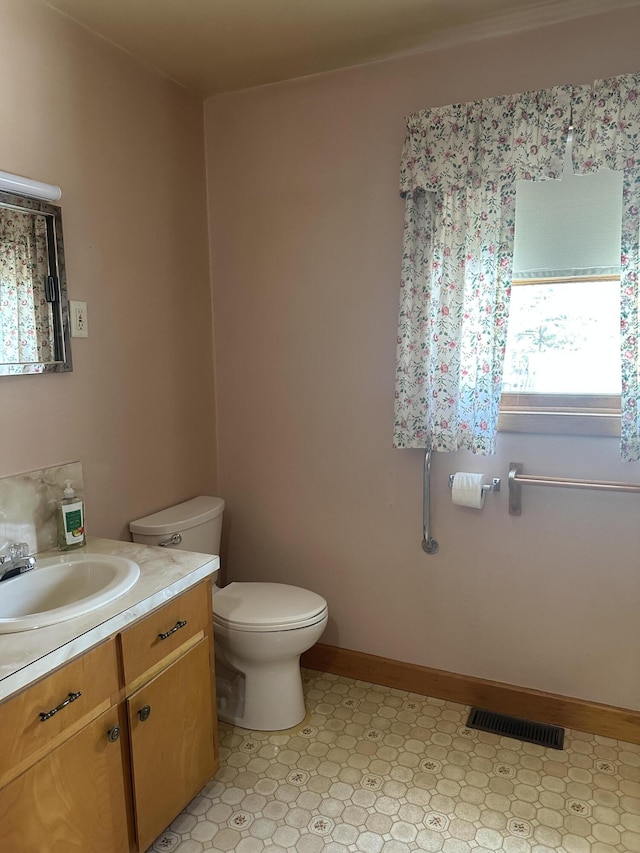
<point x="180" y="624"/>
<point x="144" y="713"/>
<point x="70" y="698"/>
<point x="113" y="734"/>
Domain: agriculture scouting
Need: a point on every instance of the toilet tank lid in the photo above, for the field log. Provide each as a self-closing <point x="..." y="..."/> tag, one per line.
<point x="179" y="517"/>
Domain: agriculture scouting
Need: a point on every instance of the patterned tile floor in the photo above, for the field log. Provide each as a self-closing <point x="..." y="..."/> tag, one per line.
<point x="378" y="770"/>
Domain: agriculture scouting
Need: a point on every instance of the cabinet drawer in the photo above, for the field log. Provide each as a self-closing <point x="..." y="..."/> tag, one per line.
<point x="25" y="736"/>
<point x="160" y="634"/>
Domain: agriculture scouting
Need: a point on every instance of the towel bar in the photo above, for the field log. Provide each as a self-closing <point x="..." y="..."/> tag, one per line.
<point x="517" y="480"/>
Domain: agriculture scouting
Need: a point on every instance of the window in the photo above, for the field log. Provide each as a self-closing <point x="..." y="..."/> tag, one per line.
<point x="562" y="361"/>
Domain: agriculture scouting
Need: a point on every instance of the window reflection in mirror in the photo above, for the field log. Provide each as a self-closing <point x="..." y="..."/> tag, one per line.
<point x="34" y="329"/>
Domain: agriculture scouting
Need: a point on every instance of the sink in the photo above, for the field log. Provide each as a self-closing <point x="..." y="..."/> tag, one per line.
<point x="62" y="587"/>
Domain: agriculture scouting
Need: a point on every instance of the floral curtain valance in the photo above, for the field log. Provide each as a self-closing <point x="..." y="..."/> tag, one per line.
<point x="458" y="173"/>
<point x="606" y="125"/>
<point x="512" y="136"/>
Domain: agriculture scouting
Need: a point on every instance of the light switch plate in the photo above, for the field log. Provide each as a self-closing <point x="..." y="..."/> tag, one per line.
<point x="79" y="320"/>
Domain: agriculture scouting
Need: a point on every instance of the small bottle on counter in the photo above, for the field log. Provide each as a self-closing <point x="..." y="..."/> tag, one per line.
<point x="70" y="520"/>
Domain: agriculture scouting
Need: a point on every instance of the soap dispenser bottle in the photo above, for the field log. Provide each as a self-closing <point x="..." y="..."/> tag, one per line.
<point x="70" y="520"/>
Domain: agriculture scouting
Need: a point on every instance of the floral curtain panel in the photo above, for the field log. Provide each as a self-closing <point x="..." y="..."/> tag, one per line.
<point x="459" y="168"/>
<point x="606" y="118"/>
<point x="26" y="331"/>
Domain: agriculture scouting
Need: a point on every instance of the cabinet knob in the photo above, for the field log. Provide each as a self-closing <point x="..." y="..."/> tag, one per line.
<point x="113" y="734"/>
<point x="144" y="713"/>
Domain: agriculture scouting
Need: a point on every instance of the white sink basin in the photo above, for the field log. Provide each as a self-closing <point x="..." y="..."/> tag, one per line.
<point x="60" y="588"/>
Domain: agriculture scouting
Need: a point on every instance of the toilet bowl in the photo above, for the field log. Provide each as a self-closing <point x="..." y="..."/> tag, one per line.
<point x="260" y="629"/>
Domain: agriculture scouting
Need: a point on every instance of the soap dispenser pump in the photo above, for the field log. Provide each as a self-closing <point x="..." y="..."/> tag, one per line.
<point x="70" y="520"/>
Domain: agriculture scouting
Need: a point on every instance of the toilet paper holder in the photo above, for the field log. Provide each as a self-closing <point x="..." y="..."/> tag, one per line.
<point x="493" y="486"/>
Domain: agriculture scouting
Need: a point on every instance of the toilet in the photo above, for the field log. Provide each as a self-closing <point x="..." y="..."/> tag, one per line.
<point x="260" y="629"/>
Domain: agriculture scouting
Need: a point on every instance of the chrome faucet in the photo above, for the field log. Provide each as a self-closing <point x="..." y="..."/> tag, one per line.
<point x="16" y="562"/>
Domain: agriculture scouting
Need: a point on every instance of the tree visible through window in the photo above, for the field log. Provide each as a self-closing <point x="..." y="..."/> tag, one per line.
<point x="564" y="338"/>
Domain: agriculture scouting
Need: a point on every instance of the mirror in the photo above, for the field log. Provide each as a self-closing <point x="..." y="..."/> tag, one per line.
<point x="34" y="314"/>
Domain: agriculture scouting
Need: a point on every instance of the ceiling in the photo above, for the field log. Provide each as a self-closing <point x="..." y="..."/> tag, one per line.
<point x="213" y="46"/>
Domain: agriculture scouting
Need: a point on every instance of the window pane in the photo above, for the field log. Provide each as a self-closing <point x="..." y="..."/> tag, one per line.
<point x="564" y="339"/>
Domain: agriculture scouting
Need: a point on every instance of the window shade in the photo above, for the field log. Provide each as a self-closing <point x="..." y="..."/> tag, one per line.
<point x="568" y="227"/>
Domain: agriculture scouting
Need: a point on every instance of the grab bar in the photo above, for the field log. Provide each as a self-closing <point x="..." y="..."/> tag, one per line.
<point x="429" y="544"/>
<point x="516" y="481"/>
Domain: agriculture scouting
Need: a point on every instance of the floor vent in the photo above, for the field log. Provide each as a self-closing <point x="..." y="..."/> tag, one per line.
<point x="501" y="724"/>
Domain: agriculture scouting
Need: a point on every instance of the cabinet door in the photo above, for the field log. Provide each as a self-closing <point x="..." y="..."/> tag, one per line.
<point x="172" y="741"/>
<point x="71" y="801"/>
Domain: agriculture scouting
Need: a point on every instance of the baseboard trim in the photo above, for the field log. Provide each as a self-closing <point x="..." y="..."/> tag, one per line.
<point x="592" y="717"/>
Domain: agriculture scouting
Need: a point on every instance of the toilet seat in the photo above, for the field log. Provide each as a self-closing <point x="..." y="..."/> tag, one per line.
<point x="267" y="607"/>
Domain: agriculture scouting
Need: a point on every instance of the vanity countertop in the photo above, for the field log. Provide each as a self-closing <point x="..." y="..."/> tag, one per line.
<point x="28" y="655"/>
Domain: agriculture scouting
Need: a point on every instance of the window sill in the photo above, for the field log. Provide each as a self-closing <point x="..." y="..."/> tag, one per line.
<point x="560" y="422"/>
<point x="560" y="414"/>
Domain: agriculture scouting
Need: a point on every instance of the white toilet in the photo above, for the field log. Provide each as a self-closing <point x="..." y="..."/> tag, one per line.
<point x="260" y="629"/>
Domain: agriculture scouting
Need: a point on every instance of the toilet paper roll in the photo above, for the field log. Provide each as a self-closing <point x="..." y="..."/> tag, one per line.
<point x="467" y="489"/>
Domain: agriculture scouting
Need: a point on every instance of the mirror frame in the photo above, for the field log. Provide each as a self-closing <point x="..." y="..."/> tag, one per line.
<point x="57" y="268"/>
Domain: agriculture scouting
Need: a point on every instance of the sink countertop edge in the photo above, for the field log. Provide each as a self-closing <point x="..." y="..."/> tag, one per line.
<point x="26" y="656"/>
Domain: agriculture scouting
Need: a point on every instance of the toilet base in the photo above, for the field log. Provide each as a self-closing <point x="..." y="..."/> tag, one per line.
<point x="248" y="700"/>
<point x="258" y="674"/>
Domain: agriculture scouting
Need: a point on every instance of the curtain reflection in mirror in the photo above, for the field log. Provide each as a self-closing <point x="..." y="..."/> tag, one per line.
<point x="26" y="322"/>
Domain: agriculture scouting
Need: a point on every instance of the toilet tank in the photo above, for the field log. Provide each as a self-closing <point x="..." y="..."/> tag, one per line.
<point x="194" y="525"/>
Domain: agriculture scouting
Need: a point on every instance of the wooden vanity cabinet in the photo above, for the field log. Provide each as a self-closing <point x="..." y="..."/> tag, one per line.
<point x="63" y="782"/>
<point x="168" y="664"/>
<point x="114" y="765"/>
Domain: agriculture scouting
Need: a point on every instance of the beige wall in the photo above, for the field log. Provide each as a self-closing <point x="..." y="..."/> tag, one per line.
<point x="306" y="230"/>
<point x="126" y="146"/>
